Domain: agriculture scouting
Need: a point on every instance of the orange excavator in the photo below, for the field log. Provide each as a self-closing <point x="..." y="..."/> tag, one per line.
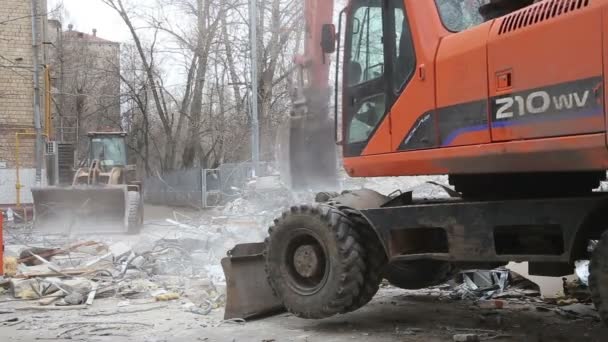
<point x="504" y="96"/>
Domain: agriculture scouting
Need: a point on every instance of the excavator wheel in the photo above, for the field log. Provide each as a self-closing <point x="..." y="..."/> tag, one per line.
<point x="415" y="275"/>
<point x="136" y="219"/>
<point x="315" y="262"/>
<point x="375" y="258"/>
<point x="598" y="277"/>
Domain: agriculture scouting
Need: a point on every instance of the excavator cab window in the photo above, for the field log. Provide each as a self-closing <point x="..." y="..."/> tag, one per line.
<point x="459" y="15"/>
<point x="379" y="59"/>
<point x="367" y="50"/>
<point x="404" y="54"/>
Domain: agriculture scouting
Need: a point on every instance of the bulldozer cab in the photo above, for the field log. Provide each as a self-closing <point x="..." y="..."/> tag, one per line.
<point x="110" y="149"/>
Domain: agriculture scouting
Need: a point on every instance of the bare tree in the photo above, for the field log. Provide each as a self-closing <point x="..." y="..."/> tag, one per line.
<point x="156" y="89"/>
<point x="187" y="103"/>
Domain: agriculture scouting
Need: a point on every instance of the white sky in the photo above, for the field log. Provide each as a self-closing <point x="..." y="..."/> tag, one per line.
<point x="86" y="15"/>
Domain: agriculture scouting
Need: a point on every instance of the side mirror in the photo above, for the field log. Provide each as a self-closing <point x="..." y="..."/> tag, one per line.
<point x="328" y="38"/>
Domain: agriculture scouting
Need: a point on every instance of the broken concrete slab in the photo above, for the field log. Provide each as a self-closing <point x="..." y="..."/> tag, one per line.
<point x="120" y="249"/>
<point x="79" y="285"/>
<point x="465" y="338"/>
<point x="22" y="288"/>
<point x="13" y="250"/>
<point x="68" y="286"/>
<point x="26" y="270"/>
<point x="138" y="262"/>
<point x="581" y="310"/>
<point x="77" y="259"/>
<point x="74" y="299"/>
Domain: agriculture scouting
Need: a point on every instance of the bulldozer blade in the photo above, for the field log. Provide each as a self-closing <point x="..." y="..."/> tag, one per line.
<point x="307" y="154"/>
<point x="81" y="209"/>
<point x="248" y="294"/>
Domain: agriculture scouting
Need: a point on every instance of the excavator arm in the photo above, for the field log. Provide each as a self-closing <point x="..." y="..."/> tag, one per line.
<point x="307" y="153"/>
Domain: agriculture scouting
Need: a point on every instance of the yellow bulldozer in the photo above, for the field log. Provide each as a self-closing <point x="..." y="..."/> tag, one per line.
<point x="104" y="197"/>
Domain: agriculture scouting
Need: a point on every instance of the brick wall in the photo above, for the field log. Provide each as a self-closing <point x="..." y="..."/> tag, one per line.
<point x="16" y="80"/>
<point x="17" y="93"/>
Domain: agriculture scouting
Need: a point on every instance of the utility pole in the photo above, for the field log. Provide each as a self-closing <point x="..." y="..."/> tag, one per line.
<point x="37" y="117"/>
<point x="255" y="124"/>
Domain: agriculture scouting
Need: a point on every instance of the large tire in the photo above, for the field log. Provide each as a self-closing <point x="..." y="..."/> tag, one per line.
<point x="415" y="275"/>
<point x="315" y="262"/>
<point x="598" y="277"/>
<point x="375" y="258"/>
<point x="135" y="207"/>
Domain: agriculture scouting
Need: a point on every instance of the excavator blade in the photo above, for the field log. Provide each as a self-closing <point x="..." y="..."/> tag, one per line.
<point x="307" y="154"/>
<point x="248" y="294"/>
<point x="81" y="209"/>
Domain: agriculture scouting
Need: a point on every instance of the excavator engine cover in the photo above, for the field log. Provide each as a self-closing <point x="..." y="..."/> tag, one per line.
<point x="81" y="209"/>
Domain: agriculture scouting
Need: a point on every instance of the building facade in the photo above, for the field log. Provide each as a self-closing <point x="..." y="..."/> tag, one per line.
<point x="17" y="141"/>
<point x="86" y="81"/>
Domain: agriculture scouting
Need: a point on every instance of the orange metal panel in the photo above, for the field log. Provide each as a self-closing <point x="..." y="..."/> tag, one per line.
<point x="573" y="153"/>
<point x="605" y="49"/>
<point x="462" y="73"/>
<point x="544" y="48"/>
<point x="527" y="52"/>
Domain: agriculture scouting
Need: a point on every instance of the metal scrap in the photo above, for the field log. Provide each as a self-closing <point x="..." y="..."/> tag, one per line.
<point x="489" y="284"/>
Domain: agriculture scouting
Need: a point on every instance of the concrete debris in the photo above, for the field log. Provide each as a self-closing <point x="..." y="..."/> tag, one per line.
<point x="580" y="310"/>
<point x="575" y="291"/>
<point x="581" y="268"/>
<point x="466" y="338"/>
<point x="119" y="250"/>
<point x="74" y="298"/>
<point x="49" y="300"/>
<point x="20" y="288"/>
<point x="167" y="269"/>
<point x="10" y="266"/>
<point x="177" y="262"/>
<point x="167" y="297"/>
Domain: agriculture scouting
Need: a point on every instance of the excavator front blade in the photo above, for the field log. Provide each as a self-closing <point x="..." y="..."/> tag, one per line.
<point x="248" y="294"/>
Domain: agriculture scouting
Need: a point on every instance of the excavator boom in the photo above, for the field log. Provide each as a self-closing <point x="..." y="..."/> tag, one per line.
<point x="306" y="152"/>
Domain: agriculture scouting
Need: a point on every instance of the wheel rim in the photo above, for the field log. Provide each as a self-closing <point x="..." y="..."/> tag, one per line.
<point x="306" y="263"/>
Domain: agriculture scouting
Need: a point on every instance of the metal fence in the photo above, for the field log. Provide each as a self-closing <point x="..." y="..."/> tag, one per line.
<point x="201" y="188"/>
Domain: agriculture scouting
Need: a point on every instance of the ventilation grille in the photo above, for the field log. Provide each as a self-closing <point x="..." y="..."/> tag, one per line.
<point x="51" y="147"/>
<point x="540" y="12"/>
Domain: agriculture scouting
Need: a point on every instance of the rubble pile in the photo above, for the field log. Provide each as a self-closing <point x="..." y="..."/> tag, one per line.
<point x="494" y="284"/>
<point x="79" y="273"/>
<point x="498" y="288"/>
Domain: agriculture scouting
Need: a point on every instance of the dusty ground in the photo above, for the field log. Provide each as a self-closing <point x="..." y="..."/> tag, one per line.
<point x="394" y="315"/>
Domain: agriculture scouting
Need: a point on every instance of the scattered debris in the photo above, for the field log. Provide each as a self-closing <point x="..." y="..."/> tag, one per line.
<point x="493" y="284"/>
<point x="166" y="297"/>
<point x="119" y="311"/>
<point x="579" y="310"/>
<point x="574" y="291"/>
<point x="10" y="266"/>
<point x="177" y="270"/>
<point x="581" y="269"/>
<point x="466" y="338"/>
